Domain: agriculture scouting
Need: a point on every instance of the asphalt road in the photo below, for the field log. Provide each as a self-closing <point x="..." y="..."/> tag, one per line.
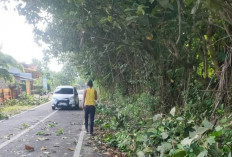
<point x="50" y="133"/>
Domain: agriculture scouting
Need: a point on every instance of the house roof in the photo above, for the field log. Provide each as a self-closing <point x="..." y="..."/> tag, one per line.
<point x="21" y="75"/>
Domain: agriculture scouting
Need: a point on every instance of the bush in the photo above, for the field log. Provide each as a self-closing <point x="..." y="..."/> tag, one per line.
<point x="131" y="126"/>
<point x="24" y="100"/>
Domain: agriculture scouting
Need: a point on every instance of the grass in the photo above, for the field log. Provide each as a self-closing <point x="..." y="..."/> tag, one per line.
<point x="13" y="110"/>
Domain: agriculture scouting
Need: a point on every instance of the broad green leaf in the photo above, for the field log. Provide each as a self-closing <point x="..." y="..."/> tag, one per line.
<point x="216" y="133"/>
<point x="152" y="130"/>
<point x="210" y="140"/>
<point x="148" y="150"/>
<point x="203" y="153"/>
<point x="141" y="154"/>
<point x="165" y="4"/>
<point x="187" y="141"/>
<point x="164" y="148"/>
<point x="161" y="129"/>
<point x="224" y="120"/>
<point x="173" y="111"/>
<point x="190" y="121"/>
<point x="157" y="117"/>
<point x="164" y="135"/>
<point x="179" y="153"/>
<point x="142" y="138"/>
<point x="198" y="131"/>
<point x="218" y="128"/>
<point x="207" y="124"/>
<point x="229" y="154"/>
<point x="179" y="118"/>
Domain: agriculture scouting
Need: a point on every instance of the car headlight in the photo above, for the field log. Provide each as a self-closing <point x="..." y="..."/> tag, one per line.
<point x="71" y="98"/>
<point x="54" y="100"/>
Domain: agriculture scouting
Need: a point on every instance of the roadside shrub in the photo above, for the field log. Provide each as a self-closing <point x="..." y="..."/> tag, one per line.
<point x="133" y="126"/>
<point x="24" y="100"/>
<point x="3" y="116"/>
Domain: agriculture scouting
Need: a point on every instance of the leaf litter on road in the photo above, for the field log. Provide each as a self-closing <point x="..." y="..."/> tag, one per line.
<point x="8" y="136"/>
<point x="71" y="149"/>
<point x="42" y="139"/>
<point x="29" y="148"/>
<point x="56" y="145"/>
<point x="43" y="148"/>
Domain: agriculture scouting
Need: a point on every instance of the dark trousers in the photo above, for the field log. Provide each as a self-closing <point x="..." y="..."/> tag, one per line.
<point x="89" y="113"/>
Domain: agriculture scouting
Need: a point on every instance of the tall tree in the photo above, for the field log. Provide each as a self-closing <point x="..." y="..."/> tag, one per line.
<point x="162" y="46"/>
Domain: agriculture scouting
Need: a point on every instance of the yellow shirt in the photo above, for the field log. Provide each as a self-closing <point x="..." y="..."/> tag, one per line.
<point x="90" y="96"/>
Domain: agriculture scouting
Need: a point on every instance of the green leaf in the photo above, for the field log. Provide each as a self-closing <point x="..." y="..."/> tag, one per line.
<point x="210" y="140"/>
<point x="187" y="141"/>
<point x="148" y="150"/>
<point x="165" y="4"/>
<point x="173" y="111"/>
<point x="218" y="128"/>
<point x="140" y="154"/>
<point x="157" y="117"/>
<point x="198" y="131"/>
<point x="229" y="154"/>
<point x="179" y="118"/>
<point x="109" y="18"/>
<point x="164" y="135"/>
<point x="203" y="153"/>
<point x="179" y="153"/>
<point x="216" y="133"/>
<point x="140" y="10"/>
<point x="152" y="130"/>
<point x="164" y="148"/>
<point x="207" y="124"/>
<point x="142" y="138"/>
<point x="224" y="120"/>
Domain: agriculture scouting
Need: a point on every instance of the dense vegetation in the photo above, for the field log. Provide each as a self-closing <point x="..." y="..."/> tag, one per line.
<point x="148" y="57"/>
<point x="6" y="62"/>
<point x="68" y="75"/>
<point x="11" y="107"/>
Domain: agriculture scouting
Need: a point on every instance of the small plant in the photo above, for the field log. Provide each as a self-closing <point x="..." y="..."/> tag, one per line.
<point x="52" y="125"/>
<point x="59" y="132"/>
<point x="40" y="133"/>
<point x="2" y="116"/>
<point x="25" y="125"/>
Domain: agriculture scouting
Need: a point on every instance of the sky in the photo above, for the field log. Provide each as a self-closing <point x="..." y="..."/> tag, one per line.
<point x="17" y="39"/>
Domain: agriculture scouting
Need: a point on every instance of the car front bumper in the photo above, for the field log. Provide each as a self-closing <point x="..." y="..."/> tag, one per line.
<point x="63" y="104"/>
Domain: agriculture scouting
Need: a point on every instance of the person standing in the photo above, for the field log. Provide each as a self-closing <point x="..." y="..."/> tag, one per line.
<point x="89" y="97"/>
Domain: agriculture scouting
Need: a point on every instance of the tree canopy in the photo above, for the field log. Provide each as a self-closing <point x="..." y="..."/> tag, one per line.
<point x="165" y="47"/>
<point x="6" y="62"/>
<point x="156" y="54"/>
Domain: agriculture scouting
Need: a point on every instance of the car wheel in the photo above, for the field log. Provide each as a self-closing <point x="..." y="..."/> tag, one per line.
<point x="53" y="108"/>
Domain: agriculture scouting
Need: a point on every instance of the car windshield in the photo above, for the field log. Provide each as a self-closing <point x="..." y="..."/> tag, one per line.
<point x="64" y="91"/>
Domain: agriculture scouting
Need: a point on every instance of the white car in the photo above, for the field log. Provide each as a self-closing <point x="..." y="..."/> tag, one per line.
<point x="65" y="97"/>
<point x="80" y="94"/>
